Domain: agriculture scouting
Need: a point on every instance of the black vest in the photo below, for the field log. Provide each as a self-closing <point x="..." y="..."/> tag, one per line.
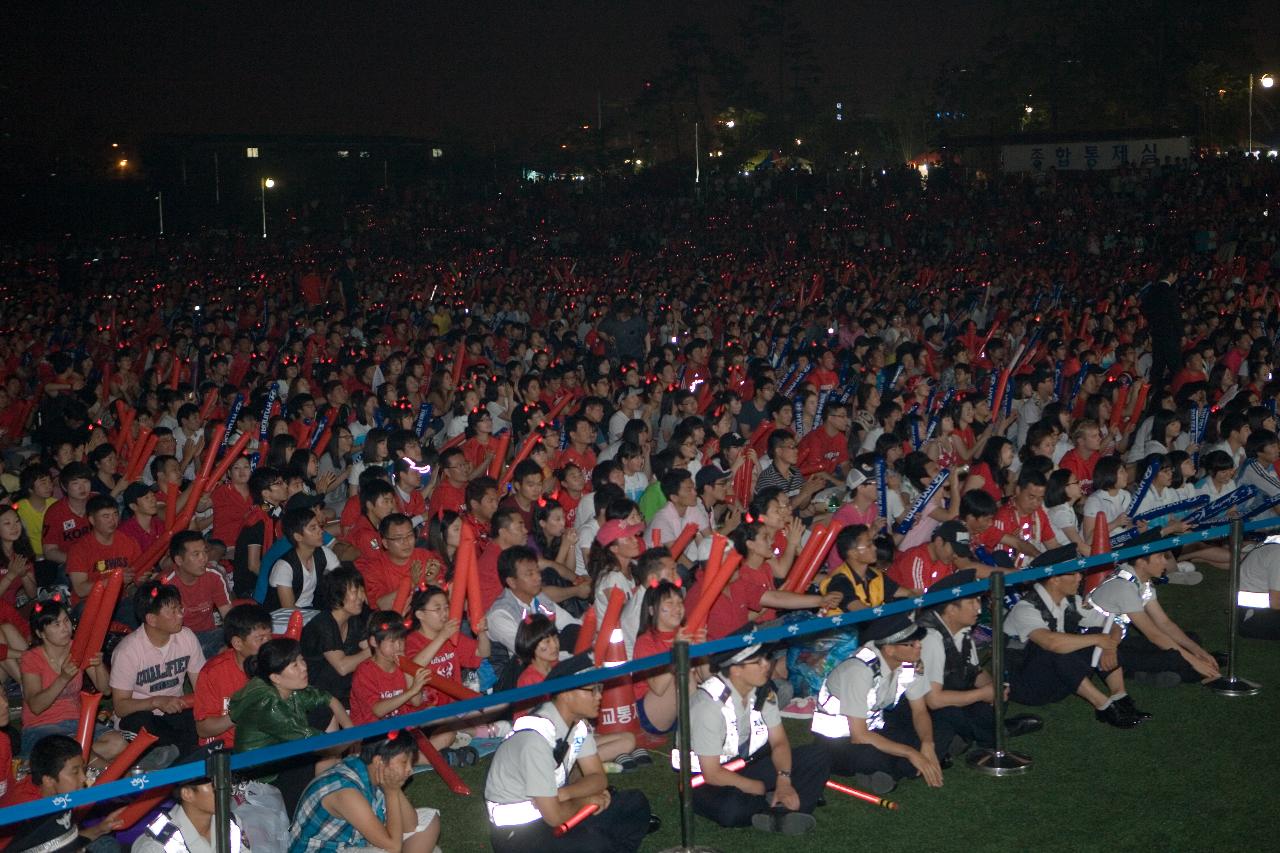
<point x="960" y="672"/>
<point x="272" y="599"/>
<point x="1070" y="615"/>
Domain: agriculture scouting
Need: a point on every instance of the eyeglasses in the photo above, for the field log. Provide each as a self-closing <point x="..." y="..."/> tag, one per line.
<point x="398" y="538"/>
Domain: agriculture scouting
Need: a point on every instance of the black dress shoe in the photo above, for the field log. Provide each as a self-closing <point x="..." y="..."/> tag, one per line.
<point x="1126" y="705"/>
<point x="1113" y="715"/>
<point x="1023" y="724"/>
<point x="655" y="823"/>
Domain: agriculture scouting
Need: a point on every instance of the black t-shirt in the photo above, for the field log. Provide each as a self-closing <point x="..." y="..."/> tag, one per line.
<point x="321" y="635"/>
<point x="245" y="582"/>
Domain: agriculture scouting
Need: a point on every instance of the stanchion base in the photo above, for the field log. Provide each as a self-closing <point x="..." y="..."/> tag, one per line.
<point x="690" y="850"/>
<point x="995" y="763"/>
<point x="1226" y="686"/>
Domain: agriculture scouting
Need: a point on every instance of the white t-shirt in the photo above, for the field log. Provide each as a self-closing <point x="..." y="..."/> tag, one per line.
<point x="282" y="575"/>
<point x="144" y="670"/>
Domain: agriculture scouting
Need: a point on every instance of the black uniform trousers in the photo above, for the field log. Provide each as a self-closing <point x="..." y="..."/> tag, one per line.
<point x="1138" y="654"/>
<point x="730" y="807"/>
<point x="850" y="759"/>
<point x="1262" y="625"/>
<point x="976" y="723"/>
<point x="621" y="827"/>
<point x="1045" y="677"/>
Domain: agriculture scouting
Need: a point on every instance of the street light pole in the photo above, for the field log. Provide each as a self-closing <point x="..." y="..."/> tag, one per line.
<point x="264" y="185"/>
<point x="160" y="204"/>
<point x="1249" y="150"/>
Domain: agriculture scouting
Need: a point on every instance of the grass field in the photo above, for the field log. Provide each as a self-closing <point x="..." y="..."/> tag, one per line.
<point x="1202" y="775"/>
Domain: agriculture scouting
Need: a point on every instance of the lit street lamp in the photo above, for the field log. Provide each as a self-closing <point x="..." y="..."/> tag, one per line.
<point x="267" y="183"/>
<point x="1267" y="82"/>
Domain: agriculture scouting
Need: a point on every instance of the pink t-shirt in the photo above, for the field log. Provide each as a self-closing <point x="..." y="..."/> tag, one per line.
<point x="67" y="704"/>
<point x="138" y="666"/>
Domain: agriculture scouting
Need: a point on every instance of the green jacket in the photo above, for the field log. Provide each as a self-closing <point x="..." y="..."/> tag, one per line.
<point x="262" y="718"/>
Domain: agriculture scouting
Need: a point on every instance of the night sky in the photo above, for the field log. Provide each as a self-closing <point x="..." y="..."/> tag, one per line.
<point x="487" y="71"/>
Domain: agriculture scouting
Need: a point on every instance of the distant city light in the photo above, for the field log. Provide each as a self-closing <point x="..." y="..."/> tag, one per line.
<point x="123" y="163"/>
<point x="1267" y="81"/>
<point x="1029" y="109"/>
<point x="269" y="182"/>
<point x="730" y="123"/>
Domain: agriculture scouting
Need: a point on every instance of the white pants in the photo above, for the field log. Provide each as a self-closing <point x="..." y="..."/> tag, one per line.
<point x="425" y="816"/>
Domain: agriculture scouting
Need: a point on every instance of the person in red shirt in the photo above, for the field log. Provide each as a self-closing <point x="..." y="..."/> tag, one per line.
<point x="66" y="521"/>
<point x="377" y="501"/>
<point x="436" y="641"/>
<point x="203" y="590"/>
<point x="245" y="628"/>
<point x="408" y="485"/>
<point x="102" y="550"/>
<point x="750" y="594"/>
<point x="661" y="615"/>
<point x="508" y="531"/>
<point x="1192" y="371"/>
<point x="231" y="503"/>
<point x="482" y="505"/>
<point x="924" y="565"/>
<point x="526" y="483"/>
<point x="399" y="558"/>
<point x="1083" y="458"/>
<point x="580" y="452"/>
<point x="451" y="486"/>
<point x="379" y="688"/>
<point x="572" y="486"/>
<point x="823" y="377"/>
<point x="143" y="525"/>
<point x="1024" y="520"/>
<point x="826" y="449"/>
<point x="479" y="447"/>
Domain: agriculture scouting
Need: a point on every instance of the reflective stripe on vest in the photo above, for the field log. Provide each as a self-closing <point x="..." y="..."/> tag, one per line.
<point x="518" y="814"/>
<point x="1144" y="589"/>
<point x="1258" y="600"/>
<point x="827" y="717"/>
<point x="164" y="830"/>
<point x="722" y="693"/>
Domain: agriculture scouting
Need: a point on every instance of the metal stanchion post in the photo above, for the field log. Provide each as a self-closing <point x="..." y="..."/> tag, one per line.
<point x="219" y="769"/>
<point x="998" y="761"/>
<point x="680" y="654"/>
<point x="1229" y="684"/>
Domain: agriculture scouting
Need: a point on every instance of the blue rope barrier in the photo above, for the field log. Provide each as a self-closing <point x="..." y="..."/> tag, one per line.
<point x="795" y="630"/>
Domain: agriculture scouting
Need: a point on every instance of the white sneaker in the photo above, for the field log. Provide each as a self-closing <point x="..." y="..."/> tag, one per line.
<point x="1186" y="566"/>
<point x="1182" y="578"/>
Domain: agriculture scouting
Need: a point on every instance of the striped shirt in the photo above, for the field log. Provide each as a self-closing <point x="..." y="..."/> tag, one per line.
<point x="314" y="828"/>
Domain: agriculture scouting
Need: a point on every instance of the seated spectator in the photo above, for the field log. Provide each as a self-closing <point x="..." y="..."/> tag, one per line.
<point x="359" y="804"/>
<point x="377" y="501"/>
<point x="436" y="641"/>
<point x="245" y="628"/>
<point x="295" y="575"/>
<point x="66" y="521"/>
<point x="51" y="684"/>
<point x="261" y="528"/>
<point x="150" y="667"/>
<point x="522" y="582"/>
<point x="103" y="550"/>
<point x="333" y="642"/>
<point x="919" y="567"/>
<point x="278" y="705"/>
<point x="508" y="531"/>
<point x="202" y="587"/>
<point x="143" y="526"/>
<point x="397" y="559"/>
<point x="57" y="767"/>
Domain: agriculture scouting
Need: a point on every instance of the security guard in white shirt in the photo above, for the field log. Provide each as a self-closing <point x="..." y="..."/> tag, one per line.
<point x="734" y="714"/>
<point x="188" y="826"/>
<point x="1259" y="597"/>
<point x="528" y="791"/>
<point x="861" y="721"/>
